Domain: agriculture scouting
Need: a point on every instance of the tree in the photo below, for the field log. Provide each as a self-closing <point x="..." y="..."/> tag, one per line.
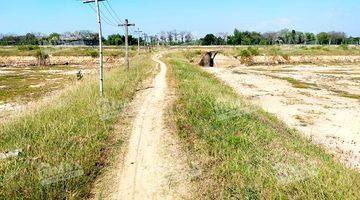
<point x="269" y="38"/>
<point x="209" y="39"/>
<point x="336" y="37"/>
<point x="163" y="37"/>
<point x="54" y="38"/>
<point x="170" y="37"/>
<point x="310" y="38"/>
<point x="323" y="38"/>
<point x="182" y="36"/>
<point x="188" y="37"/>
<point x="116" y="39"/>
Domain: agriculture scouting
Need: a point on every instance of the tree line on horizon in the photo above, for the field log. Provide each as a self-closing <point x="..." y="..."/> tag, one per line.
<point x="284" y="36"/>
<point x="175" y="37"/>
<point x="69" y="38"/>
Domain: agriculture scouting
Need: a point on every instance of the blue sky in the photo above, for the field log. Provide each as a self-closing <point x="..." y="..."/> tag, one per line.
<point x="198" y="16"/>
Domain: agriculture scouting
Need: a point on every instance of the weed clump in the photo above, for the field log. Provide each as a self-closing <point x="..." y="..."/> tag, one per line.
<point x="344" y="47"/>
<point x="42" y="57"/>
<point x="92" y="53"/>
<point x="247" y="54"/>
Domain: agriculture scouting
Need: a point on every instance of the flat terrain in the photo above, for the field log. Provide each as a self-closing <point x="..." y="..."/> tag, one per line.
<point x="21" y="85"/>
<point x="323" y="102"/>
<point x="169" y="129"/>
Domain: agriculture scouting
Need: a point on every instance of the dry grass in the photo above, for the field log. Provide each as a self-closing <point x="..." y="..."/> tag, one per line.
<point x="66" y="142"/>
<point x="238" y="151"/>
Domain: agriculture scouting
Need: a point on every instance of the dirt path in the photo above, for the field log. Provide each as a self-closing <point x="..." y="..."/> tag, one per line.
<point x="315" y="108"/>
<point x="154" y="167"/>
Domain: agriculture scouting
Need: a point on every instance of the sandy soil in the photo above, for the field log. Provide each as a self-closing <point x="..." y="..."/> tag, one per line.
<point x="21" y="61"/>
<point x="318" y="112"/>
<point x="154" y="167"/>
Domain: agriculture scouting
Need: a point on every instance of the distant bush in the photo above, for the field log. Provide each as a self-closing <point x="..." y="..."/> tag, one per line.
<point x="245" y="53"/>
<point x="275" y="51"/>
<point x="190" y="55"/>
<point x="92" y="53"/>
<point x="28" y="47"/>
<point x="42" y="57"/>
<point x="344" y="47"/>
<point x="254" y="51"/>
<point x="321" y="48"/>
<point x="249" y="52"/>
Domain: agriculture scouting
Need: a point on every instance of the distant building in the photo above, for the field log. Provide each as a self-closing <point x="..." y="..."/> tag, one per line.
<point x="77" y="41"/>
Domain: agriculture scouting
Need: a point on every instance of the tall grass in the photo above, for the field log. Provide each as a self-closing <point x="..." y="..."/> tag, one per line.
<point x="66" y="142"/>
<point x="241" y="152"/>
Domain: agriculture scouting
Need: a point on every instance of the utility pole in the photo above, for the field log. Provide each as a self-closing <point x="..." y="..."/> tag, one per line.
<point x="126" y="25"/>
<point x="138" y="32"/>
<point x="101" y="76"/>
<point x="146" y="41"/>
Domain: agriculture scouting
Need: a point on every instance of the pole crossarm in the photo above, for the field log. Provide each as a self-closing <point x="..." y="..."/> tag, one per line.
<point x="91" y="1"/>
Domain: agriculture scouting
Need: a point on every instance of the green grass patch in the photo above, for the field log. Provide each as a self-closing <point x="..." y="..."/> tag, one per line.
<point x="241" y="152"/>
<point x="297" y="83"/>
<point x="22" y="85"/>
<point x="346" y="94"/>
<point x="66" y="143"/>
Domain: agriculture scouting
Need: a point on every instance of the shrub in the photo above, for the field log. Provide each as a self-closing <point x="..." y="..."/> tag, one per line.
<point x="344" y="47"/>
<point x="41" y="56"/>
<point x="254" y="51"/>
<point x="245" y="53"/>
<point x="92" y="53"/>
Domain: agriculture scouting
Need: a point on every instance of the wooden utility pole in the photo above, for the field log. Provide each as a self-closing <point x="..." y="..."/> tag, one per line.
<point x="126" y="25"/>
<point x="101" y="76"/>
<point x="138" y="32"/>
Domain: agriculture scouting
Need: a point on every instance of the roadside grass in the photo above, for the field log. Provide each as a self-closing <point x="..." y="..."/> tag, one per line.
<point x="66" y="142"/>
<point x="239" y="151"/>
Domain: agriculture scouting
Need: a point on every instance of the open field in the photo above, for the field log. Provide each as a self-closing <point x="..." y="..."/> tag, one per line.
<point x="323" y="102"/>
<point x="19" y="86"/>
<point x="254" y="131"/>
<point x="62" y="51"/>
<point x="240" y="151"/>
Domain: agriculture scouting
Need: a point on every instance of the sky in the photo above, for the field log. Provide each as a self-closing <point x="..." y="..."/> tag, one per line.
<point x="197" y="16"/>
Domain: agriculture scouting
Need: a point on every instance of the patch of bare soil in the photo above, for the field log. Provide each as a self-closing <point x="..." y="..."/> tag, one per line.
<point x="154" y="167"/>
<point x="21" y="61"/>
<point x="319" y="111"/>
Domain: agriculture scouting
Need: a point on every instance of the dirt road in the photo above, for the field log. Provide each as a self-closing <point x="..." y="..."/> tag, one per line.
<point x="321" y="102"/>
<point x="154" y="167"/>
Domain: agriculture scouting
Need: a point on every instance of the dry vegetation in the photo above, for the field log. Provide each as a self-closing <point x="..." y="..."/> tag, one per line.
<point x="239" y="151"/>
<point x="66" y="142"/>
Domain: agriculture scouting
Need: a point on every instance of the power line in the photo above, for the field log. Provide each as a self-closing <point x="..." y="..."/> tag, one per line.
<point x="111" y="15"/>
<point x="106" y="20"/>
<point x="116" y="15"/>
